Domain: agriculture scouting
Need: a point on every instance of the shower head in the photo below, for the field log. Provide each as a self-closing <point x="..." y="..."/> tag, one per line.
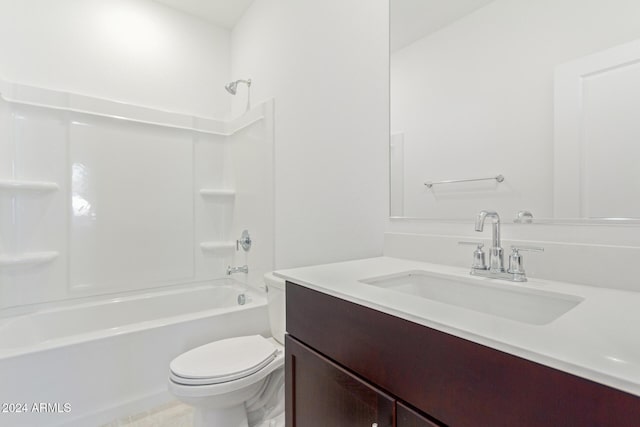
<point x="233" y="86"/>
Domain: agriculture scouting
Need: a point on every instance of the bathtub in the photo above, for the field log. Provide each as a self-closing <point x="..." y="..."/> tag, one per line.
<point x="89" y="363"/>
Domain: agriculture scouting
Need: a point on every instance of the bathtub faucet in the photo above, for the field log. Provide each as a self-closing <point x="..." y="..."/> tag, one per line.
<point x="243" y="269"/>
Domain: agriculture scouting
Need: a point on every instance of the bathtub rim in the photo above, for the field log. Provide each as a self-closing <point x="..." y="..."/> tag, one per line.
<point x="26" y="309"/>
<point x="258" y="300"/>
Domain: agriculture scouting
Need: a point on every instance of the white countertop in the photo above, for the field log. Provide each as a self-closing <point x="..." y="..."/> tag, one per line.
<point x="599" y="339"/>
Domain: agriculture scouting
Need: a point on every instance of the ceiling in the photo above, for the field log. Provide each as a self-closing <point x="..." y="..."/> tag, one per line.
<point x="224" y="13"/>
<point x="410" y="19"/>
<point x="414" y="19"/>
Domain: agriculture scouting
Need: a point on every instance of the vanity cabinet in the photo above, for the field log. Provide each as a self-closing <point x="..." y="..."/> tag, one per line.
<point x="349" y="365"/>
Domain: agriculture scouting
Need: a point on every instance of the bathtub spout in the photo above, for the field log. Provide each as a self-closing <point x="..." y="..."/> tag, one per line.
<point x="232" y="270"/>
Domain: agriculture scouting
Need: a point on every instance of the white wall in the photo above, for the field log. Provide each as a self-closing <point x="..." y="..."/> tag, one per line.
<point x="134" y="51"/>
<point x="326" y="65"/>
<point x="476" y="99"/>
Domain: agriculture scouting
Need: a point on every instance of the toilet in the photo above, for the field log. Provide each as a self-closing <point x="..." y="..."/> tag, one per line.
<point x="230" y="381"/>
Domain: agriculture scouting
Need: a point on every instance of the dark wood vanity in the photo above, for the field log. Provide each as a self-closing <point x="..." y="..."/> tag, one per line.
<point x="348" y="365"/>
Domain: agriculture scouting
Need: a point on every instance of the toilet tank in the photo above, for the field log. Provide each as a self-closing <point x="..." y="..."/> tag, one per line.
<point x="276" y="306"/>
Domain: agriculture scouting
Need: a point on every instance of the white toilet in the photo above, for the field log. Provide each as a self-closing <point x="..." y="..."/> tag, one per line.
<point x="227" y="379"/>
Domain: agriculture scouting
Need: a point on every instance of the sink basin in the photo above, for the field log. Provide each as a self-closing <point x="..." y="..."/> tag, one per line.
<point x="502" y="299"/>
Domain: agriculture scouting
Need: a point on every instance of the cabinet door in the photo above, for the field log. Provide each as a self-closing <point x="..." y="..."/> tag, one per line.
<point x="320" y="393"/>
<point x="408" y="417"/>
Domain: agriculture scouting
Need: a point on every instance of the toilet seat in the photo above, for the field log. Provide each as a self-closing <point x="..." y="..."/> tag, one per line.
<point x="223" y="361"/>
<point x="208" y="390"/>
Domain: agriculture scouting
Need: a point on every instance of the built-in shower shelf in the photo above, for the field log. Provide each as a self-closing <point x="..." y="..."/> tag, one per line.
<point x="217" y="246"/>
<point x="211" y="192"/>
<point x="29" y="258"/>
<point x="31" y="186"/>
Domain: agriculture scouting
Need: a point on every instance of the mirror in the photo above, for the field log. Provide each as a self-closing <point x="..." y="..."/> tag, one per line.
<point x="542" y="93"/>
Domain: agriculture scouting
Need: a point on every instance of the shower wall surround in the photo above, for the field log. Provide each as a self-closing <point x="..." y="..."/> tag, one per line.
<point x="100" y="197"/>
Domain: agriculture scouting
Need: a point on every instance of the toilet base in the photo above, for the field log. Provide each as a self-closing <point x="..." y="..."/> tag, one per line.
<point x="235" y="416"/>
<point x="225" y="404"/>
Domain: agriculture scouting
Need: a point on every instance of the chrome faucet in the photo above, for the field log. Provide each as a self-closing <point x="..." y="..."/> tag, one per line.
<point x="496" y="255"/>
<point x="496" y="269"/>
<point x="232" y="270"/>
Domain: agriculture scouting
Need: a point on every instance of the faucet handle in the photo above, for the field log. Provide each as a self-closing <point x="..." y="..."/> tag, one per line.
<point x="516" y="265"/>
<point x="478" y="255"/>
<point x="515" y="249"/>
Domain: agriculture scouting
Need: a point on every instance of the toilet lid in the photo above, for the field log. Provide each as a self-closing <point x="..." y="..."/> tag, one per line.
<point x="222" y="361"/>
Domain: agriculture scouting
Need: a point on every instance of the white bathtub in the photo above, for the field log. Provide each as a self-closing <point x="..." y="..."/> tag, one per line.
<point x="97" y="361"/>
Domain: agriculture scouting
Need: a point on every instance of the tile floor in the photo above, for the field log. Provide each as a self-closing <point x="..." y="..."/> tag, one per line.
<point x="172" y="414"/>
<point x="175" y="414"/>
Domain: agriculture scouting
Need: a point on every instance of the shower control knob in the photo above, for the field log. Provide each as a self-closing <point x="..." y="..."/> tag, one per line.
<point x="244" y="241"/>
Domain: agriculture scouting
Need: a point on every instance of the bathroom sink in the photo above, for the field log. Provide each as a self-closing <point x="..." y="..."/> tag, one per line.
<point x="507" y="300"/>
